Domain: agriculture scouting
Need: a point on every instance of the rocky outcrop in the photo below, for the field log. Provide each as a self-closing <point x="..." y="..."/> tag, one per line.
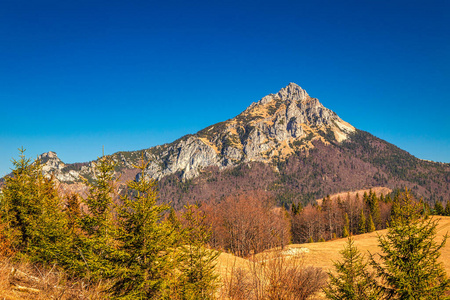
<point x="53" y="166"/>
<point x="50" y="162"/>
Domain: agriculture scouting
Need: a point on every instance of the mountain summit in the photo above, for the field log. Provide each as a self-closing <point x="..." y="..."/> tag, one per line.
<point x="272" y="128"/>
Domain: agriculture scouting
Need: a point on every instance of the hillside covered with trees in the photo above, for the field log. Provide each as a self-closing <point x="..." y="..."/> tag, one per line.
<point x="123" y="244"/>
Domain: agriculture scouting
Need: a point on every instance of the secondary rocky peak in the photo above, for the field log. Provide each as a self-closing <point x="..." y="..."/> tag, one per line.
<point x="52" y="164"/>
<point x="50" y="161"/>
<point x="48" y="155"/>
<point x="293" y="92"/>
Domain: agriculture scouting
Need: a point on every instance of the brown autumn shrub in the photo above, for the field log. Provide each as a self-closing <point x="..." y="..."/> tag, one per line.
<point x="238" y="285"/>
<point x="274" y="275"/>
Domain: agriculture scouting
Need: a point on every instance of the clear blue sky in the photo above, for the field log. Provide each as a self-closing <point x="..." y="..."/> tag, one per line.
<point x="76" y="75"/>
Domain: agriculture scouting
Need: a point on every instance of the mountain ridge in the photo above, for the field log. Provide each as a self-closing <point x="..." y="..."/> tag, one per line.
<point x="282" y="135"/>
<point x="270" y="127"/>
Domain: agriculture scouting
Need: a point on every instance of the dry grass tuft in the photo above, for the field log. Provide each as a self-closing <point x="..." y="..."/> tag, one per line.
<point x="31" y="281"/>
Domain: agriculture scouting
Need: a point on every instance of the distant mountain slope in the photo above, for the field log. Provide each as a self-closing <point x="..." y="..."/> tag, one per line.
<point x="287" y="143"/>
<point x="314" y="173"/>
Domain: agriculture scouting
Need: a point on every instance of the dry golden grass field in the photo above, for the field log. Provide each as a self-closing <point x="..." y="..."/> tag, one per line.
<point x="323" y="254"/>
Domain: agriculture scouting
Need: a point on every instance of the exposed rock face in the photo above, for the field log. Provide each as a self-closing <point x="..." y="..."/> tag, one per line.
<point x="275" y="127"/>
<point x="188" y="155"/>
<point x="51" y="164"/>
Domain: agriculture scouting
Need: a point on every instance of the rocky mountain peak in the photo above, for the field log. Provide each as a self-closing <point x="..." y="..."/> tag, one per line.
<point x="273" y="128"/>
<point x="48" y="155"/>
<point x="52" y="164"/>
<point x="50" y="161"/>
<point x="293" y="92"/>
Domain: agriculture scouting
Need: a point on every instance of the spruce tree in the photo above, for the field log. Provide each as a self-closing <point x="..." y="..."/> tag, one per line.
<point x="96" y="243"/>
<point x="97" y="220"/>
<point x="146" y="257"/>
<point x="20" y="206"/>
<point x="388" y="198"/>
<point x="362" y="222"/>
<point x="352" y="280"/>
<point x="407" y="265"/>
<point x="374" y="208"/>
<point x="447" y="209"/>
<point x="366" y="197"/>
<point x="32" y="214"/>
<point x="438" y="208"/>
<point x="370" y="224"/>
<point x="73" y="212"/>
<point x="345" y="231"/>
<point x="79" y="248"/>
<point x="327" y="208"/>
<point x="51" y="234"/>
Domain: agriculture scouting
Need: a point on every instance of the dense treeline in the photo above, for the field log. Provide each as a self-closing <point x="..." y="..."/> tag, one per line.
<point x="340" y="217"/>
<point x="440" y="210"/>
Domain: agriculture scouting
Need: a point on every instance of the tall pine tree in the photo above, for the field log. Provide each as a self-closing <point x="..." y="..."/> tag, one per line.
<point x="370" y="224"/>
<point x="408" y="266"/>
<point x="97" y="241"/>
<point x="197" y="266"/>
<point x="345" y="231"/>
<point x="362" y="222"/>
<point x="145" y="259"/>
